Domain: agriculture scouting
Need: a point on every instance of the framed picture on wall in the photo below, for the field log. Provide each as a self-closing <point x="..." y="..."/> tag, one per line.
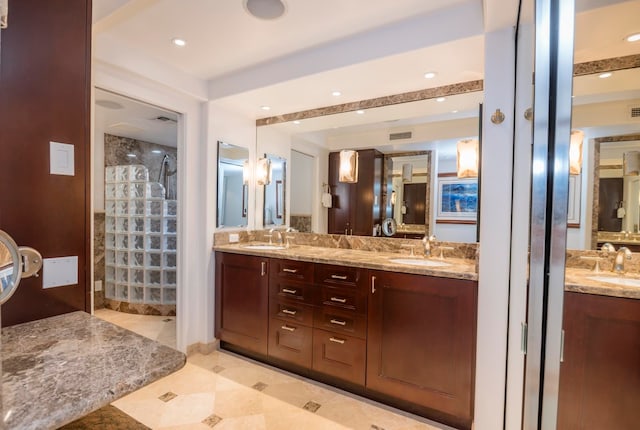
<point x="457" y="200"/>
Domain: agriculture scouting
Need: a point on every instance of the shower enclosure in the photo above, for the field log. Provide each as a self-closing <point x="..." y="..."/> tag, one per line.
<point x="140" y="238"/>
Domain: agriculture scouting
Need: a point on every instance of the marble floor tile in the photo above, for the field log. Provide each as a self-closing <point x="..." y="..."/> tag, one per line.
<point x="159" y="328"/>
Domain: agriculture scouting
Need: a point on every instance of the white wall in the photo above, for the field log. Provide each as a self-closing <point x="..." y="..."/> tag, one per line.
<point x="302" y="173"/>
<point x="320" y="156"/>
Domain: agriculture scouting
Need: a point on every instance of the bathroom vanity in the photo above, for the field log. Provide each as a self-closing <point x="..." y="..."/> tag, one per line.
<point x="398" y="333"/>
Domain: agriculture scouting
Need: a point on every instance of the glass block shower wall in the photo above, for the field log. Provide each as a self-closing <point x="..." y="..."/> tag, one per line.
<point x="140" y="238"/>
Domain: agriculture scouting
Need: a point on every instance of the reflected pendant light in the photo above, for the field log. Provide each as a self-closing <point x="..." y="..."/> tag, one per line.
<point x="348" y="166"/>
<point x="407" y="172"/>
<point x="467" y="158"/>
<point x="631" y="163"/>
<point x="263" y="171"/>
<point x="575" y="152"/>
<point x="245" y="172"/>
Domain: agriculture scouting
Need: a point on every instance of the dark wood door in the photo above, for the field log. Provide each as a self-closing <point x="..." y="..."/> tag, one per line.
<point x="242" y="292"/>
<point x="415" y="200"/>
<point x="610" y="196"/>
<point x="45" y="88"/>
<point x="421" y="341"/>
<point x="365" y="203"/>
<point x="339" y="215"/>
<point x="600" y="373"/>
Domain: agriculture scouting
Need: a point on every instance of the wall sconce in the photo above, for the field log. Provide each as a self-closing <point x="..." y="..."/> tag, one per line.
<point x="631" y="163"/>
<point x="246" y="172"/>
<point x="407" y="172"/>
<point x="575" y="152"/>
<point x="468" y="150"/>
<point x="393" y="197"/>
<point x="348" y="166"/>
<point x="263" y="171"/>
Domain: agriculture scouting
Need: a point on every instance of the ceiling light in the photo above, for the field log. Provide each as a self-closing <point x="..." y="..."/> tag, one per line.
<point x="265" y="107"/>
<point x="633" y="38"/>
<point x="179" y="42"/>
<point x="296" y="122"/>
<point x="336" y="93"/>
<point x="360" y="112"/>
<point x="131" y="155"/>
<point x="440" y="99"/>
<point x="265" y="9"/>
<point x="605" y="75"/>
<point x="156" y="151"/>
<point x="430" y="75"/>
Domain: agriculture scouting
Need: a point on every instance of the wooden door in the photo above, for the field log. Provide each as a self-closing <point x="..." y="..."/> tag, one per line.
<point x="600" y="373"/>
<point x="421" y="341"/>
<point x="242" y="293"/>
<point x="415" y="199"/>
<point x="45" y="88"/>
<point x="610" y="196"/>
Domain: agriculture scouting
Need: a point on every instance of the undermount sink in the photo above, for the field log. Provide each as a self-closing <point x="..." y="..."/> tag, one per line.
<point x="625" y="282"/>
<point x="265" y="247"/>
<point x="418" y="262"/>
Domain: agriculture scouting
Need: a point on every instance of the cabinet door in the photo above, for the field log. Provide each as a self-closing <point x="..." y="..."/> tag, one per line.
<point x="600" y="373"/>
<point x="242" y="291"/>
<point x="421" y="341"/>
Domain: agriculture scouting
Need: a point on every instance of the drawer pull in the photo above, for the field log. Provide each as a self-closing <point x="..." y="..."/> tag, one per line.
<point x="289" y="291"/>
<point x="289" y="312"/>
<point x="287" y="328"/>
<point x="338" y="299"/>
<point x="338" y="322"/>
<point x="373" y="285"/>
<point x="336" y="340"/>
<point x="341" y="277"/>
<point x="290" y="270"/>
<point x="263" y="268"/>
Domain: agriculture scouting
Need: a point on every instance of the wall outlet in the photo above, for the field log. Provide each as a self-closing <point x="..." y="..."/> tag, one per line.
<point x="234" y="237"/>
<point x="97" y="286"/>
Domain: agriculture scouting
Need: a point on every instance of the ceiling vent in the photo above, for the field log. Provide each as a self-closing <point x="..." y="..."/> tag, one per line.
<point x="399" y="136"/>
<point x="634" y="111"/>
<point x="165" y="119"/>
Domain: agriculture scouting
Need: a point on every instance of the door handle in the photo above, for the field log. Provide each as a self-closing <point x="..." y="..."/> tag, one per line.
<point x="263" y="266"/>
<point x="373" y="284"/>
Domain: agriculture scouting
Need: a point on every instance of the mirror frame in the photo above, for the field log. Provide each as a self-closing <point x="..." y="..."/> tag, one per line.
<point x="14" y="251"/>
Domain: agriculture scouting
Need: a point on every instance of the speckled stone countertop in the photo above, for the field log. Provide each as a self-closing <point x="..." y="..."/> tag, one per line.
<point x="577" y="280"/>
<point x="58" y="369"/>
<point x="456" y="268"/>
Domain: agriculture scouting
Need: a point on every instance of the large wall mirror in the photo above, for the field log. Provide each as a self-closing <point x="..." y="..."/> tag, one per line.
<point x="274" y="210"/>
<point x="233" y="189"/>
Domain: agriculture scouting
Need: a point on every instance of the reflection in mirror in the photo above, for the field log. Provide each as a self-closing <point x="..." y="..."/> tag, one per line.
<point x="274" y="211"/>
<point x="233" y="189"/>
<point x="302" y="177"/>
<point x="10" y="267"/>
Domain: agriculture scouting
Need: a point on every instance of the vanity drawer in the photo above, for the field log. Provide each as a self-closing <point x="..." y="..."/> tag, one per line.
<point x="341" y="276"/>
<point x="339" y="355"/>
<point x="292" y="270"/>
<point x="291" y="311"/>
<point x="344" y="298"/>
<point x="291" y="290"/>
<point x="340" y="321"/>
<point x="290" y="342"/>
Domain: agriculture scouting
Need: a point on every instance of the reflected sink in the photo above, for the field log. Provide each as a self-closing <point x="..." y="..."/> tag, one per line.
<point x="418" y="262"/>
<point x="625" y="282"/>
<point x="265" y="247"/>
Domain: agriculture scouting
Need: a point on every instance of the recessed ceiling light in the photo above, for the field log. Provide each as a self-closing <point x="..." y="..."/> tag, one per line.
<point x="179" y="42"/>
<point x="633" y="37"/>
<point x="265" y="9"/>
<point x="296" y="122"/>
<point x="440" y="99"/>
<point x="131" y="155"/>
<point x="265" y="107"/>
<point x="605" y="75"/>
<point x="336" y="93"/>
<point x="360" y="112"/>
<point x="156" y="151"/>
<point x="430" y="75"/>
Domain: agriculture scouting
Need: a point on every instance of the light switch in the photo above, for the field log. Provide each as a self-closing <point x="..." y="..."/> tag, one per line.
<point x="61" y="159"/>
<point x="57" y="272"/>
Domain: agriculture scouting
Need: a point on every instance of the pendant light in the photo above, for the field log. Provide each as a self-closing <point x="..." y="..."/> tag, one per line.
<point x="575" y="152"/>
<point x="348" y="166"/>
<point x="467" y="159"/>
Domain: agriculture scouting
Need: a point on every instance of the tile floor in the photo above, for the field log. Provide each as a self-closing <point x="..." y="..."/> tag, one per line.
<point x="222" y="390"/>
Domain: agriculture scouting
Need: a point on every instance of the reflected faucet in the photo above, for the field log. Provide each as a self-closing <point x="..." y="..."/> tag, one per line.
<point x="607" y="247"/>
<point x="427" y="241"/>
<point x="279" y="236"/>
<point x="623" y="254"/>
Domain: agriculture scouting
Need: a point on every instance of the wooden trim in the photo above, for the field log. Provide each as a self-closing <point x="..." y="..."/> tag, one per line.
<point x="88" y="159"/>
<point x="455" y="221"/>
<point x="447" y="175"/>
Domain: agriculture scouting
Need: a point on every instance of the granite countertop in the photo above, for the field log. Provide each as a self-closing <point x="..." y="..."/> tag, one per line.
<point x="58" y="369"/>
<point x="456" y="268"/>
<point x="577" y="280"/>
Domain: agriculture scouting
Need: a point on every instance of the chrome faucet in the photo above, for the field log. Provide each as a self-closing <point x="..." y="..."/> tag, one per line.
<point x="607" y="247"/>
<point x="427" y="241"/>
<point x="623" y="254"/>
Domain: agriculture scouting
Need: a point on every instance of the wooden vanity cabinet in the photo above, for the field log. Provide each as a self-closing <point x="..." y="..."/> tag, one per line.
<point x="357" y="207"/>
<point x="421" y="341"/>
<point x="242" y="291"/>
<point x="600" y="372"/>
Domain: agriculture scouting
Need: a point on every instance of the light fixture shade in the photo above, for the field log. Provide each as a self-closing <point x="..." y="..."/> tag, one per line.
<point x="263" y="171"/>
<point x="575" y="152"/>
<point x="468" y="154"/>
<point x="393" y="197"/>
<point x="407" y="172"/>
<point x="348" y="166"/>
<point x="246" y="172"/>
<point x="631" y="163"/>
